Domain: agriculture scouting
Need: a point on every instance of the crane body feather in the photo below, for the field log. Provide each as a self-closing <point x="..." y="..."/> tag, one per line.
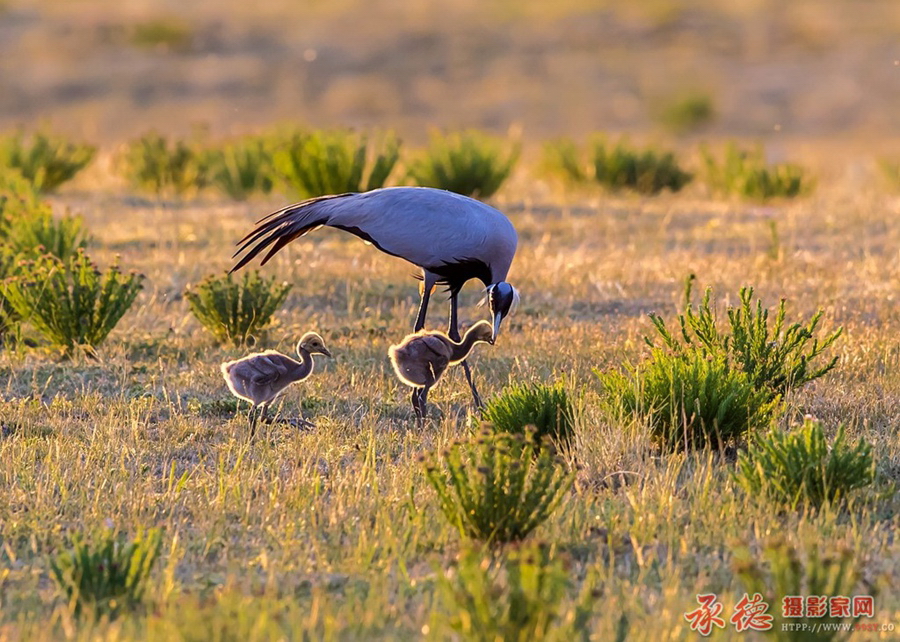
<point x="453" y="237"/>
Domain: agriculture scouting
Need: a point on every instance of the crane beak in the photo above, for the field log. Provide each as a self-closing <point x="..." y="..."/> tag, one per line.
<point x="498" y="318"/>
<point x="327" y="352"/>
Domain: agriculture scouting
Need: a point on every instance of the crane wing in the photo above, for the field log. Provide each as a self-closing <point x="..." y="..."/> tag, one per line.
<point x="429" y="227"/>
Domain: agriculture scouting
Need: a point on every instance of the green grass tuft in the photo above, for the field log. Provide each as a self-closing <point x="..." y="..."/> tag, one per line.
<point x="687" y="113"/>
<point x="152" y="165"/>
<point x="779" y="358"/>
<point x="616" y="167"/>
<point x="691" y="400"/>
<point x="510" y="595"/>
<point x="545" y="408"/>
<point x="46" y="160"/>
<point x="236" y="311"/>
<point x="242" y="168"/>
<point x="470" y="163"/>
<point x="71" y="303"/>
<point x="498" y="487"/>
<point x="800" y="469"/>
<point x="647" y="172"/>
<point x="106" y="577"/>
<point x="747" y="175"/>
<point x="162" y="33"/>
<point x="333" y="162"/>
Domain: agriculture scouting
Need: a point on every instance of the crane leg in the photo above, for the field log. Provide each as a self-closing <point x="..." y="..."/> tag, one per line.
<point x="427" y="286"/>
<point x="453" y="333"/>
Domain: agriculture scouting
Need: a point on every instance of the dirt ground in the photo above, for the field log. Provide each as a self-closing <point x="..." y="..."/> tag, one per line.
<point x="826" y="68"/>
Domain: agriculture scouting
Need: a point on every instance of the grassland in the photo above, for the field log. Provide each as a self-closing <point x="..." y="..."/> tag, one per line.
<point x="334" y="533"/>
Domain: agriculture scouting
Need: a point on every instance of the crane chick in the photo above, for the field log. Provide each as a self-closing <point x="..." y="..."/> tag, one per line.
<point x="260" y="377"/>
<point x="421" y="358"/>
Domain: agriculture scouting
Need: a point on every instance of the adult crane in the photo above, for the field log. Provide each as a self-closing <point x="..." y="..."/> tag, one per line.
<point x="452" y="238"/>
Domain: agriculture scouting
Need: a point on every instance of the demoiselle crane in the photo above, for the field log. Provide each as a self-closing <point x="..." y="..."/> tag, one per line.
<point x="260" y="377"/>
<point x="421" y="358"/>
<point x="452" y="238"/>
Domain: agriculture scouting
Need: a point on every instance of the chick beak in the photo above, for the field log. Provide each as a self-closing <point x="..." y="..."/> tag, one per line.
<point x="327" y="352"/>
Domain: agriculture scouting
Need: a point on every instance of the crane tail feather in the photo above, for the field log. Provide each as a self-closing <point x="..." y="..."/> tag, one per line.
<point x="280" y="228"/>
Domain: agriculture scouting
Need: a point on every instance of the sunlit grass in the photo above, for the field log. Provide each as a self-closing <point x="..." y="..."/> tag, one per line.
<point x="335" y="532"/>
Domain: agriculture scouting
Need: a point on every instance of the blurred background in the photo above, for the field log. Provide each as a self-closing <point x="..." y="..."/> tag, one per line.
<point x="108" y="70"/>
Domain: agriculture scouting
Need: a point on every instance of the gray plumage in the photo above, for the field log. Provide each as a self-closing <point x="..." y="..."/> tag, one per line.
<point x="452" y="238"/>
<point x="260" y="377"/>
<point x="422" y="358"/>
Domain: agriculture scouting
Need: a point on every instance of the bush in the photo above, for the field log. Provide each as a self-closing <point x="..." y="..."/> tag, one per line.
<point x="788" y="573"/>
<point x="242" y="168"/>
<point x="647" y="172"/>
<point x="469" y="163"/>
<point x="778" y="359"/>
<point x="890" y="170"/>
<point x="335" y="162"/>
<point x="18" y="198"/>
<point x="746" y="174"/>
<point x="164" y="34"/>
<point x="800" y="469"/>
<point x="563" y="157"/>
<point x="106" y="578"/>
<point x="236" y="310"/>
<point x="546" y="409"/>
<point x="8" y="316"/>
<point x="691" y="399"/>
<point x="687" y="113"/>
<point x="516" y="595"/>
<point x="40" y="232"/>
<point x="71" y="303"/>
<point x="503" y="490"/>
<point x="44" y="159"/>
<point x="152" y="165"/>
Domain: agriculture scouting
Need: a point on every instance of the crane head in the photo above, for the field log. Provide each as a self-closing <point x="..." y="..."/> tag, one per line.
<point x="502" y="300"/>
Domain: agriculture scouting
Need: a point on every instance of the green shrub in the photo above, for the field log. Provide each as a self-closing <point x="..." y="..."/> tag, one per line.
<point x="162" y="34"/>
<point x="8" y="316"/>
<point x="646" y="172"/>
<point x="18" y="198"/>
<point x="890" y="169"/>
<point x="242" y="168"/>
<point x="784" y="571"/>
<point x="687" y="113"/>
<point x="46" y="160"/>
<point x="107" y="577"/>
<point x="333" y="162"/>
<point x="691" y="399"/>
<point x="746" y="174"/>
<point x="470" y="163"/>
<point x="71" y="303"/>
<point x="800" y="469"/>
<point x="779" y="358"/>
<point x="40" y="232"/>
<point x="514" y="595"/>
<point x="562" y="156"/>
<point x="546" y="408"/>
<point x="236" y="310"/>
<point x="153" y="165"/>
<point x="498" y="488"/>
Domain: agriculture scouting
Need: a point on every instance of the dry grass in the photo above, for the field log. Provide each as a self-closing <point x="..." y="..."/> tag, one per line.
<point x="335" y="533"/>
